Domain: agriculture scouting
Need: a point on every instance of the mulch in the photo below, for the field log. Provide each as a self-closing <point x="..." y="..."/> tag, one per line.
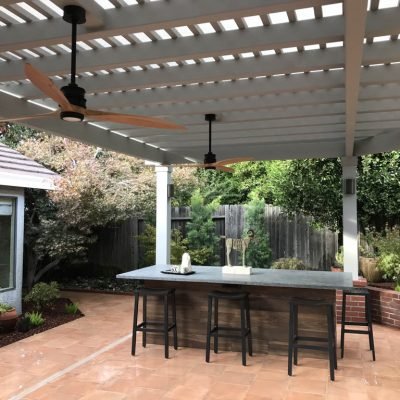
<point x="54" y="316"/>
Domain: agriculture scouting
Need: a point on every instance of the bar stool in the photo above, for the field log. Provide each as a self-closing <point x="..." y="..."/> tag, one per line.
<point x="297" y="342"/>
<point x="155" y="326"/>
<point x="368" y="316"/>
<point x="217" y="331"/>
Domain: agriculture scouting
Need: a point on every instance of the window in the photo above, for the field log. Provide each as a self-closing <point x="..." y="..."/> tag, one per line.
<point x="7" y="215"/>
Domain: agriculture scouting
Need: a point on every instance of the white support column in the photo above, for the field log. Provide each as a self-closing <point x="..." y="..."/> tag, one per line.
<point x="350" y="226"/>
<point x="163" y="215"/>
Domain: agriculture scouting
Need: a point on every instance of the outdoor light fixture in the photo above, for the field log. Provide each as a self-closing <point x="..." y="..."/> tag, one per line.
<point x="349" y="186"/>
<point x="71" y="116"/>
<point x="170" y="190"/>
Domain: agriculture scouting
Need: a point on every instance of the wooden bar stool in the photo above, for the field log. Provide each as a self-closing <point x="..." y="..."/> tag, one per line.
<point x="217" y="331"/>
<point x="298" y="342"/>
<point x="155" y="326"/>
<point x="368" y="319"/>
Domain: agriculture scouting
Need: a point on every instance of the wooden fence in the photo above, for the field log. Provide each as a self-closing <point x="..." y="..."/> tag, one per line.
<point x="288" y="237"/>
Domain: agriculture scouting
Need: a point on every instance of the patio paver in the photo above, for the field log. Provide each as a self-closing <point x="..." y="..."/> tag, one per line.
<point x="90" y="359"/>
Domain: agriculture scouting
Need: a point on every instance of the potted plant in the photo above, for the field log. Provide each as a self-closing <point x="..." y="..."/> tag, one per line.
<point x="368" y="259"/>
<point x="8" y="317"/>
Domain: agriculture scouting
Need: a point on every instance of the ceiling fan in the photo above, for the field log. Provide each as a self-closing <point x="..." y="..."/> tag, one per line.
<point x="71" y="98"/>
<point x="210" y="159"/>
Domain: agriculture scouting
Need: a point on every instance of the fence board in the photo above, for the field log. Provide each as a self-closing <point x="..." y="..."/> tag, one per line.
<point x="288" y="237"/>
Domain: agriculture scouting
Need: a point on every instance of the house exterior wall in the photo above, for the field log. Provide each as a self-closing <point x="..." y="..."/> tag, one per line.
<point x="13" y="296"/>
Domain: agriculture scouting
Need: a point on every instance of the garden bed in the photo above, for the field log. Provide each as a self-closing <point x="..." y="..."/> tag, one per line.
<point x="54" y="316"/>
<point x="99" y="285"/>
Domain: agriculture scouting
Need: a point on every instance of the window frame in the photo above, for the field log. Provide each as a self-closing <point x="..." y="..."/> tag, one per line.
<point x="13" y="235"/>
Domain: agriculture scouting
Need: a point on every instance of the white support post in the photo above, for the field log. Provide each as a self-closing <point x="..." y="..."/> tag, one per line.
<point x="350" y="226"/>
<point x="163" y="215"/>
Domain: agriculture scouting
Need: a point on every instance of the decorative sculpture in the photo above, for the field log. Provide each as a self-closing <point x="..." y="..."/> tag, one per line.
<point x="238" y="245"/>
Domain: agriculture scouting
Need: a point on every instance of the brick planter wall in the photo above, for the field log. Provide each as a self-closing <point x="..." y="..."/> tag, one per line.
<point x="385" y="307"/>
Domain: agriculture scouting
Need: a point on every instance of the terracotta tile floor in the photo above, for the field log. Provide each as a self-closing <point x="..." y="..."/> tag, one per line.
<point x="89" y="359"/>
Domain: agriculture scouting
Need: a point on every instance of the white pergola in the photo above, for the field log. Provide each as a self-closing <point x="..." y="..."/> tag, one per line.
<point x="287" y="79"/>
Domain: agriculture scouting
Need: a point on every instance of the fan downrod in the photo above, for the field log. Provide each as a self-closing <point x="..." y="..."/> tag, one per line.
<point x="74" y="15"/>
<point x="210" y="157"/>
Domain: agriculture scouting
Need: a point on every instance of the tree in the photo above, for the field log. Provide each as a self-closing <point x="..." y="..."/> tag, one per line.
<point x="185" y="182"/>
<point x="237" y="187"/>
<point x="258" y="254"/>
<point x="312" y="187"/>
<point x="96" y="188"/>
<point x="201" y="237"/>
<point x="378" y="190"/>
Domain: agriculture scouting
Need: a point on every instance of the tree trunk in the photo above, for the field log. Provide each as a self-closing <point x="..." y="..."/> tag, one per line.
<point x="31" y="266"/>
<point x="45" y="269"/>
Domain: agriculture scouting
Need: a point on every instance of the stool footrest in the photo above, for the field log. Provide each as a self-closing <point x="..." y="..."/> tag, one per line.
<point x="310" y="347"/>
<point x="355" y="323"/>
<point x="217" y="331"/>
<point x="356" y="331"/>
<point x="142" y="327"/>
<point x="310" y="338"/>
<point x="225" y="328"/>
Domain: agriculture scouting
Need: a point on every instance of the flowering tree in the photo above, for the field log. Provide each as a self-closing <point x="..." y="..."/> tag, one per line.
<point x="96" y="188"/>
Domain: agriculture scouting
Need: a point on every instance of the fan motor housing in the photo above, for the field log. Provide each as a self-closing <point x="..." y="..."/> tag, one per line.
<point x="74" y="14"/>
<point x="75" y="95"/>
<point x="210" y="158"/>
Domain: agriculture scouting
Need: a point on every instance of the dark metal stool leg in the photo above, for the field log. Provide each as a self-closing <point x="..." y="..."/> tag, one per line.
<point x="295" y="331"/>
<point x="343" y="325"/>
<point x="166" y="341"/>
<point x="216" y="325"/>
<point x="330" y="343"/>
<point x="249" y="336"/>
<point x="243" y="330"/>
<point x="174" y="321"/>
<point x="208" y="343"/>
<point x="290" y="341"/>
<point x="368" y="314"/>
<point x="334" y="335"/>
<point x="135" y="318"/>
<point x="144" y="334"/>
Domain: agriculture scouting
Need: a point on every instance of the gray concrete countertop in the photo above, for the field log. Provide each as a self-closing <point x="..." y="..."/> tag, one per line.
<point x="259" y="277"/>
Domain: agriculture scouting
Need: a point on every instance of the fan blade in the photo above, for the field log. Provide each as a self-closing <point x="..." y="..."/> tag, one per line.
<point x="130" y="119"/>
<point x="47" y="86"/>
<point x="225" y="169"/>
<point x="234" y="160"/>
<point x="37" y="116"/>
<point x="193" y="165"/>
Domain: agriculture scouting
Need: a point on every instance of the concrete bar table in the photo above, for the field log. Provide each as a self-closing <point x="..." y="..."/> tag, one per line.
<point x="270" y="291"/>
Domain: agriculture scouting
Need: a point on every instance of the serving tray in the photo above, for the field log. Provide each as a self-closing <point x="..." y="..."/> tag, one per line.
<point x="169" y="271"/>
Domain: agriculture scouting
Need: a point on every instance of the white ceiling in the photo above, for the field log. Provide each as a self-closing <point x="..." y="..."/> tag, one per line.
<point x="286" y="78"/>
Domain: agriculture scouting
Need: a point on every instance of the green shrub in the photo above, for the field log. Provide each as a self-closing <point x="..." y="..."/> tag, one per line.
<point x="35" y="318"/>
<point x="178" y="246"/>
<point x="389" y="265"/>
<point x="288" y="263"/>
<point x="4" y="307"/>
<point x="258" y="254"/>
<point x="43" y="294"/>
<point x="147" y="241"/>
<point x="201" y="237"/>
<point x="23" y="324"/>
<point x="71" y="308"/>
<point x="339" y="257"/>
<point x="388" y="241"/>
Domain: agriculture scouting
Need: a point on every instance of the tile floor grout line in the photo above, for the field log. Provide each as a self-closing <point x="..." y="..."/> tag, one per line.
<point x="59" y="374"/>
